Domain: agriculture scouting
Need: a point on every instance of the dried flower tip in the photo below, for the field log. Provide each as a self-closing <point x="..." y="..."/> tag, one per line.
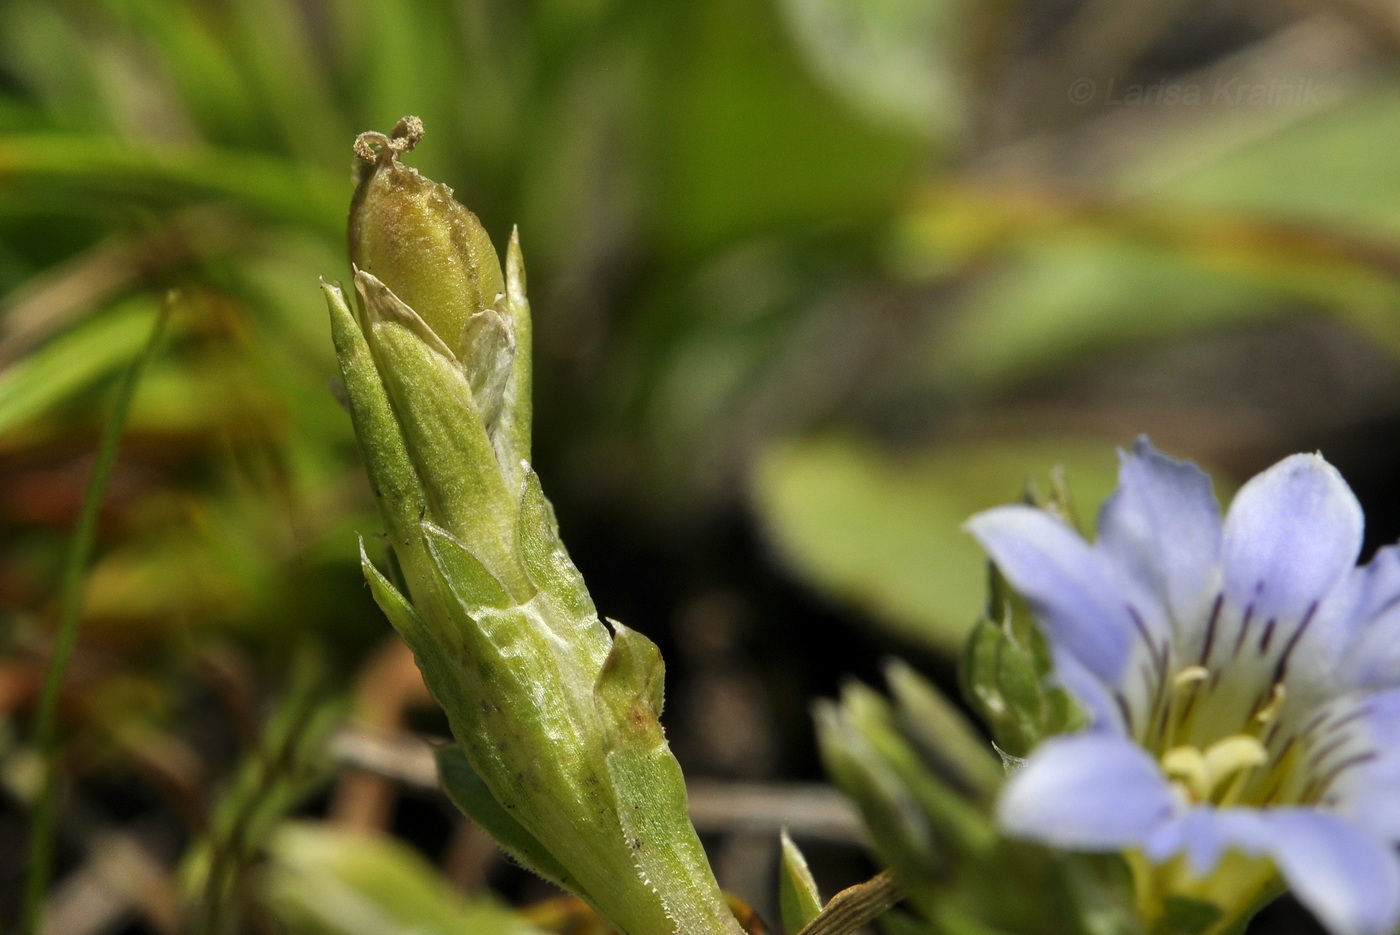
<point x="373" y="146"/>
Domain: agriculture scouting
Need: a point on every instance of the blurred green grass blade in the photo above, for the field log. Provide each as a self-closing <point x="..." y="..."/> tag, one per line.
<point x="896" y="61"/>
<point x="54" y="61"/>
<point x="73" y="362"/>
<point x="191" y="45"/>
<point x="288" y="765"/>
<point x="410" y="59"/>
<point x="735" y="162"/>
<point x="94" y="172"/>
<point x="274" y="41"/>
<point x="328" y="881"/>
<point x="883" y="531"/>
<point x="41" y="835"/>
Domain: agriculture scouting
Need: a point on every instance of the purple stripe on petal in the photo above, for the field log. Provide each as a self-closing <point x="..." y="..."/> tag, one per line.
<point x="1090" y="791"/>
<point x="1291" y="534"/>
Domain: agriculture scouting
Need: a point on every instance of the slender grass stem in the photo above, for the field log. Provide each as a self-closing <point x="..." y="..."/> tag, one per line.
<point x="41" y="836"/>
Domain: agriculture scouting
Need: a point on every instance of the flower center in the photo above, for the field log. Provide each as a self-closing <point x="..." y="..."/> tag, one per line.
<point x="1223" y="740"/>
<point x="1215" y="744"/>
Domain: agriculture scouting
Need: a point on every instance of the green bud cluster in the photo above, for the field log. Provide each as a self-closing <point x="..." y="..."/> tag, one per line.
<point x="560" y="753"/>
<point x="924" y="783"/>
<point x="1005" y="663"/>
<point x="1004" y="672"/>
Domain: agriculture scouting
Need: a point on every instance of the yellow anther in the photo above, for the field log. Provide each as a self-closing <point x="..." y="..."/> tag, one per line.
<point x="1187" y="766"/>
<point x="1270" y="710"/>
<point x="1190" y="677"/>
<point x="1202" y="774"/>
<point x="1228" y="763"/>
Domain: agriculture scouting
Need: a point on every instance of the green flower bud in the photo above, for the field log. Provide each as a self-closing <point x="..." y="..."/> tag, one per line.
<point x="1004" y="672"/>
<point x="413" y="236"/>
<point x="560" y="751"/>
<point x="940" y="840"/>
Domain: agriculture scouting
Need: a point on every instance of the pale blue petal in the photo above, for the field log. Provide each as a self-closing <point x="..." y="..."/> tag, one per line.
<point x="1346" y="875"/>
<point x="1205" y="834"/>
<point x="1106" y="710"/>
<point x="1367" y="633"/>
<point x="1066" y="583"/>
<point x="1291" y="534"/>
<point x="1091" y="791"/>
<point x="1364" y="768"/>
<point x="1162" y="528"/>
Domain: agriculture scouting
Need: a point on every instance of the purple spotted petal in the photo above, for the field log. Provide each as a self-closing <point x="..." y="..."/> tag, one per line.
<point x="1065" y="582"/>
<point x="1162" y="528"/>
<point x="1091" y="791"/>
<point x="1291" y="534"/>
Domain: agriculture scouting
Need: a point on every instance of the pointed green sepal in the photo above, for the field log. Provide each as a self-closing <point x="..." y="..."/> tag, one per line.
<point x="470" y="794"/>
<point x="546" y="560"/>
<point x="514" y="426"/>
<point x="900" y="832"/>
<point x="941" y="733"/>
<point x="469" y="581"/>
<point x="442" y="429"/>
<point x="650" y="789"/>
<point x="397" y="490"/>
<point x="960" y="825"/>
<point x="798" y="897"/>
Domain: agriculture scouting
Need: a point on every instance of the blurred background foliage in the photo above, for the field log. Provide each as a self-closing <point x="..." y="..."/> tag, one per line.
<point x="814" y="280"/>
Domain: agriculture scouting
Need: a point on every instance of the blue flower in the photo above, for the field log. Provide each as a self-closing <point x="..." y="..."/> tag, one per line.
<point x="1242" y="678"/>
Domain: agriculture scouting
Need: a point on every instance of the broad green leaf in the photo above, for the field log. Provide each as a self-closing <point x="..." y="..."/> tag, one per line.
<point x="882" y="530"/>
<point x="1065" y="297"/>
<point x="735" y="161"/>
<point x="1334" y="166"/>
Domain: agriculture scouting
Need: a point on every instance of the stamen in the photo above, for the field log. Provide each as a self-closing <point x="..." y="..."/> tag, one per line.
<point x="1270" y="711"/>
<point x="1187" y="766"/>
<point x="1191" y="675"/>
<point x="1238" y="752"/>
<point x="1183" y="687"/>
<point x="1226" y="761"/>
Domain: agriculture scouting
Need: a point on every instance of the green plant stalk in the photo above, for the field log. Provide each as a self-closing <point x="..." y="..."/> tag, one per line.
<point x="556" y="715"/>
<point x="41" y="836"/>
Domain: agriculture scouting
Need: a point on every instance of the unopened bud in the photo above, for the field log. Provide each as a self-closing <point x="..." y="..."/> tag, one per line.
<point x="417" y="239"/>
